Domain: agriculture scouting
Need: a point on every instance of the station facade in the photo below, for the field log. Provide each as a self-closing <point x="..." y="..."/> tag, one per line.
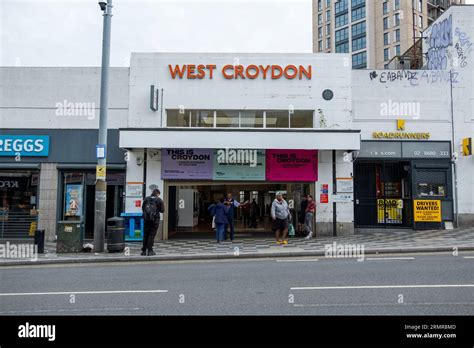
<point x="374" y="148"/>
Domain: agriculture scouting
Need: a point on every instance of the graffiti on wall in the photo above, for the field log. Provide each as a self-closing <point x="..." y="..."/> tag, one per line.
<point x="463" y="47"/>
<point x="415" y="77"/>
<point x="439" y="41"/>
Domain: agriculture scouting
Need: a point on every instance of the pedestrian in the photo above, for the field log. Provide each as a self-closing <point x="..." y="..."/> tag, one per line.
<point x="152" y="207"/>
<point x="309" y="216"/>
<point x="280" y="213"/>
<point x="212" y="211"/>
<point x="231" y="203"/>
<point x="253" y="214"/>
<point x="246" y="213"/>
<point x="221" y="219"/>
<point x="302" y="214"/>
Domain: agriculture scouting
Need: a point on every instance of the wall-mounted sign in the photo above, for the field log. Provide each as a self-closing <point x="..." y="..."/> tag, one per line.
<point x="324" y="193"/>
<point x="292" y="165"/>
<point x="426" y="210"/>
<point x="194" y="164"/>
<point x="467" y="147"/>
<point x="426" y="150"/>
<point x="239" y="164"/>
<point x="234" y="72"/>
<point x="343" y="197"/>
<point x="405" y="149"/>
<point x="345" y="185"/>
<point x="24" y="145"/>
<point x="401" y="135"/>
<point x="134" y="189"/>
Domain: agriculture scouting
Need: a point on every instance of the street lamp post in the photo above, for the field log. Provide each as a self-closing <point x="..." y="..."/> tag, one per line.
<point x="101" y="183"/>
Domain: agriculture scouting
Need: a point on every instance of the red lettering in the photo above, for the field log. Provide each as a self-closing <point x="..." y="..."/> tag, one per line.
<point x="224" y="69"/>
<point x="276" y="67"/>
<point x="286" y="73"/>
<point x="264" y="70"/>
<point x="177" y="71"/>
<point x="210" y="67"/>
<point x="239" y="71"/>
<point x="201" y="73"/>
<point x="249" y="74"/>
<point x="308" y="73"/>
<point x="191" y="71"/>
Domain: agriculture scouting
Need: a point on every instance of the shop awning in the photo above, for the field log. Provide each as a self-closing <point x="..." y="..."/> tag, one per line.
<point x="204" y="138"/>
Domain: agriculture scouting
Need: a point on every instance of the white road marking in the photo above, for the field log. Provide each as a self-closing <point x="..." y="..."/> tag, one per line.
<point x="298" y="260"/>
<point x="384" y="304"/>
<point x="389" y="258"/>
<point x="469" y="257"/>
<point x="70" y="310"/>
<point x="83" y="292"/>
<point x="384" y="287"/>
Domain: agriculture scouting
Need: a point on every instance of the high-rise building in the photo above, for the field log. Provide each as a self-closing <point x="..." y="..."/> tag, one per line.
<point x="373" y="31"/>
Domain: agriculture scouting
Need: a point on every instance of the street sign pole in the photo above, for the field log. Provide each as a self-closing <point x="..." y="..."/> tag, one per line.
<point x="101" y="183"/>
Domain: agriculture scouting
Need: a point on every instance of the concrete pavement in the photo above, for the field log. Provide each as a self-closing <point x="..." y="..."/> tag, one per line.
<point x="372" y="242"/>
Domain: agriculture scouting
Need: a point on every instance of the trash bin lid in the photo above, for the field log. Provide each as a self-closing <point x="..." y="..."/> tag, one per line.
<point x="116" y="218"/>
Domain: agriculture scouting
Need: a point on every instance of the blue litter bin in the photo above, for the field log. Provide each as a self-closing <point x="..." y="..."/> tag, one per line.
<point x="134" y="226"/>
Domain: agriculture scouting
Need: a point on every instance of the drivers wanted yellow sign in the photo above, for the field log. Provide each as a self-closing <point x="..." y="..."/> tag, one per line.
<point x="425" y="210"/>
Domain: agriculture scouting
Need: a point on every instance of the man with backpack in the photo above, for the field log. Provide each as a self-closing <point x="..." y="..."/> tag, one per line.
<point x="152" y="207"/>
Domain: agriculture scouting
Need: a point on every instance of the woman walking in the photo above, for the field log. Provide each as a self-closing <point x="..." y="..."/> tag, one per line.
<point x="309" y="216"/>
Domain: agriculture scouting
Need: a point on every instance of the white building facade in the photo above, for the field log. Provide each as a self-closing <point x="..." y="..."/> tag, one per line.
<point x="374" y="148"/>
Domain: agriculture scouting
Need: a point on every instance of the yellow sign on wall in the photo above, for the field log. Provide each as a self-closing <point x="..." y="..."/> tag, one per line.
<point x="390" y="211"/>
<point x="427" y="210"/>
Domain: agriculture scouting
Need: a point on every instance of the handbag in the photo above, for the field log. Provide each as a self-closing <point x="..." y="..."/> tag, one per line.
<point x="291" y="230"/>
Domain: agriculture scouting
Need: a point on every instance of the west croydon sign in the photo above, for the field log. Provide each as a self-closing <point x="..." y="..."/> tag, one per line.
<point x="24" y="145"/>
<point x="234" y="72"/>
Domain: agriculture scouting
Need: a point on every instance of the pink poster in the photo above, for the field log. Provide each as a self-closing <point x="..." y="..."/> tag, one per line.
<point x="292" y="165"/>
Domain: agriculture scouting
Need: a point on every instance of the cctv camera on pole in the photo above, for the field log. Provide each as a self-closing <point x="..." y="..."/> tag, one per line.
<point x="101" y="184"/>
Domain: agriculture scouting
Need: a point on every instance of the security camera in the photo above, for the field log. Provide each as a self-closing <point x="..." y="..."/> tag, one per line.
<point x="103" y="5"/>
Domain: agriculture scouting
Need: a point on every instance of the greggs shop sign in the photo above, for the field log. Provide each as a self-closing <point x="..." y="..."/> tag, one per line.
<point x="235" y="72"/>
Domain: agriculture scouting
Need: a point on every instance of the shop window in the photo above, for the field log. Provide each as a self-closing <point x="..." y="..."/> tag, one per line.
<point x="225" y="118"/>
<point x="251" y="119"/>
<point x="431" y="190"/>
<point x="301" y="119"/>
<point x="431" y="183"/>
<point x="177" y="118"/>
<point x="203" y="118"/>
<point x="18" y="203"/>
<point x="277" y="119"/>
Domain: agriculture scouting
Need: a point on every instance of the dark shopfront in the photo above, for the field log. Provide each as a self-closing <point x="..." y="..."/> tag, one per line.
<point x="57" y="183"/>
<point x="390" y="177"/>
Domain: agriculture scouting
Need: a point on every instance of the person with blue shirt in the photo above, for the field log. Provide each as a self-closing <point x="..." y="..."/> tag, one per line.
<point x="231" y="203"/>
<point x="221" y="219"/>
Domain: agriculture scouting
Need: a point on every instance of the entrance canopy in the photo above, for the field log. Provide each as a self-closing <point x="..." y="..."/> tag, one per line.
<point x="305" y="139"/>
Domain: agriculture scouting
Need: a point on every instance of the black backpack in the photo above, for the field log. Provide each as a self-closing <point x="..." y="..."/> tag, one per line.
<point x="150" y="209"/>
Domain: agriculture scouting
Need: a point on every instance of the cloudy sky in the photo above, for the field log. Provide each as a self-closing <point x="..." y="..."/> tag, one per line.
<point x="69" y="32"/>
